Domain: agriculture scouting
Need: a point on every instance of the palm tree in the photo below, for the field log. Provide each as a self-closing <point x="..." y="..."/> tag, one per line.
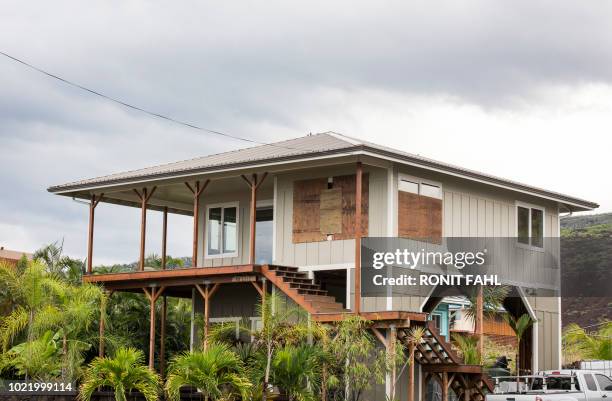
<point x="38" y="359"/>
<point x="72" y="316"/>
<point x="123" y="373"/>
<point x="519" y="326"/>
<point x="415" y="337"/>
<point x="492" y="301"/>
<point x="282" y="324"/>
<point x="595" y="346"/>
<point x="468" y="345"/>
<point x="352" y="344"/>
<point x="57" y="263"/>
<point x="217" y="372"/>
<point x="31" y="291"/>
<point x="297" y="370"/>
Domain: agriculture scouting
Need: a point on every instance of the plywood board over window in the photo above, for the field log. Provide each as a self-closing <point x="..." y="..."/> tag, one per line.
<point x="419" y="217"/>
<point x="330" y="221"/>
<point x="321" y="208"/>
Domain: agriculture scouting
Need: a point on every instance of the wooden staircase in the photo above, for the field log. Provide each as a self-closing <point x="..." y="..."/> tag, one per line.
<point x="301" y="289"/>
<point x="434" y="353"/>
<point x="440" y="362"/>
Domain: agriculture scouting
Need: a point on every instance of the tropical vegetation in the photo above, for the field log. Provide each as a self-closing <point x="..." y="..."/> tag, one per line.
<point x="519" y="326"/>
<point x="580" y="344"/>
<point x="49" y="330"/>
<point x="123" y="373"/>
<point x="217" y="372"/>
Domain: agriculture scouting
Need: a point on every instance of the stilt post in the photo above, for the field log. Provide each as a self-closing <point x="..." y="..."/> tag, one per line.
<point x="164" y="239"/>
<point x="90" y="238"/>
<point x="152" y="294"/>
<point x="411" y="347"/>
<point x="479" y="329"/>
<point x="254" y="185"/>
<point x="196" y="190"/>
<point x="358" y="186"/>
<point x="144" y="197"/>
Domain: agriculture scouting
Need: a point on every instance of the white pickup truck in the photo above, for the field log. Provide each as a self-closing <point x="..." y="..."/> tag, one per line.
<point x="562" y="385"/>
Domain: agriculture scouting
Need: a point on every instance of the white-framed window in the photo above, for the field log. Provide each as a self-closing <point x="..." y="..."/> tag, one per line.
<point x="419" y="186"/>
<point x="530" y="225"/>
<point x="222" y="225"/>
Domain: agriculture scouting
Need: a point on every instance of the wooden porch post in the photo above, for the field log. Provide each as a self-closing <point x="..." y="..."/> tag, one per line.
<point x="92" y="206"/>
<point x="467" y="391"/>
<point x="262" y="290"/>
<point x="103" y="301"/>
<point x="207" y="292"/>
<point x="478" y="324"/>
<point x="411" y="371"/>
<point x="358" y="185"/>
<point x="164" y="238"/>
<point x="152" y="295"/>
<point x="144" y="197"/>
<point x="391" y="350"/>
<point x="444" y="386"/>
<point x="196" y="190"/>
<point x="254" y="184"/>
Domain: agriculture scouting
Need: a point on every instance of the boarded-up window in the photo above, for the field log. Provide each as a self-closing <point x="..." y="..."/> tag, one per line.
<point x="419" y="217"/>
<point x="330" y="221"/>
<point x="319" y="210"/>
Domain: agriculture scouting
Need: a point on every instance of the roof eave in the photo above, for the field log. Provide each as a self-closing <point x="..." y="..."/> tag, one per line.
<point x="573" y="204"/>
<point x="69" y="189"/>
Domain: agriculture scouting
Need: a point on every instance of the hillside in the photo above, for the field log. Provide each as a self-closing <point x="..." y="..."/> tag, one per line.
<point x="578" y="222"/>
<point x="586" y="255"/>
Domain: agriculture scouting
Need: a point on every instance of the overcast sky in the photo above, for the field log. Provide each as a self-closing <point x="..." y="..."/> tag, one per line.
<point x="518" y="89"/>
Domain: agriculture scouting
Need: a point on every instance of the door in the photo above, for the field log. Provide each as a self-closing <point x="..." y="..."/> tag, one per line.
<point x="591" y="391"/>
<point x="605" y="385"/>
<point x="264" y="221"/>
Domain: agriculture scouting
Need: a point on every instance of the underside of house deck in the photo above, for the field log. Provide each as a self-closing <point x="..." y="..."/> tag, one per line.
<point x="295" y="284"/>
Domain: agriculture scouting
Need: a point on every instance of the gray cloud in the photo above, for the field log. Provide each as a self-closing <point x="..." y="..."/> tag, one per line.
<point x="267" y="70"/>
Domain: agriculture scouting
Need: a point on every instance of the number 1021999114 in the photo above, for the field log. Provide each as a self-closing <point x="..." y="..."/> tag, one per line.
<point x="20" y="386"/>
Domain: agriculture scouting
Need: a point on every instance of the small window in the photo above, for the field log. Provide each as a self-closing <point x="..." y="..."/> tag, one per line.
<point x="420" y="187"/>
<point x="437" y="321"/>
<point x="530" y="226"/>
<point x="222" y="231"/>
<point x="605" y="384"/>
<point x="590" y="382"/>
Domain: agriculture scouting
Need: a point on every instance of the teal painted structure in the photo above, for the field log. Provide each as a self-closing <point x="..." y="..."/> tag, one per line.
<point x="441" y="317"/>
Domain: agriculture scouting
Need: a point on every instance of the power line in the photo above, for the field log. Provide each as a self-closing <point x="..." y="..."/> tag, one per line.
<point x="131" y="106"/>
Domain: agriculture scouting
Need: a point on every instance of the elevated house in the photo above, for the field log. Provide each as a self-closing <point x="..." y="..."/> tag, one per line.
<point x="289" y="217"/>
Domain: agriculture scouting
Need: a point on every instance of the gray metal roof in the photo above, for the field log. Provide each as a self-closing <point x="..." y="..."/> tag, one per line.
<point x="317" y="145"/>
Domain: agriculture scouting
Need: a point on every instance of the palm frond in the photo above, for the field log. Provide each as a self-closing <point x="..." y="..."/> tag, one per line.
<point x="12" y="325"/>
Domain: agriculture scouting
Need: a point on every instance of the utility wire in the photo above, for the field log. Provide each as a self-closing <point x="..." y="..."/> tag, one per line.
<point x="128" y="105"/>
